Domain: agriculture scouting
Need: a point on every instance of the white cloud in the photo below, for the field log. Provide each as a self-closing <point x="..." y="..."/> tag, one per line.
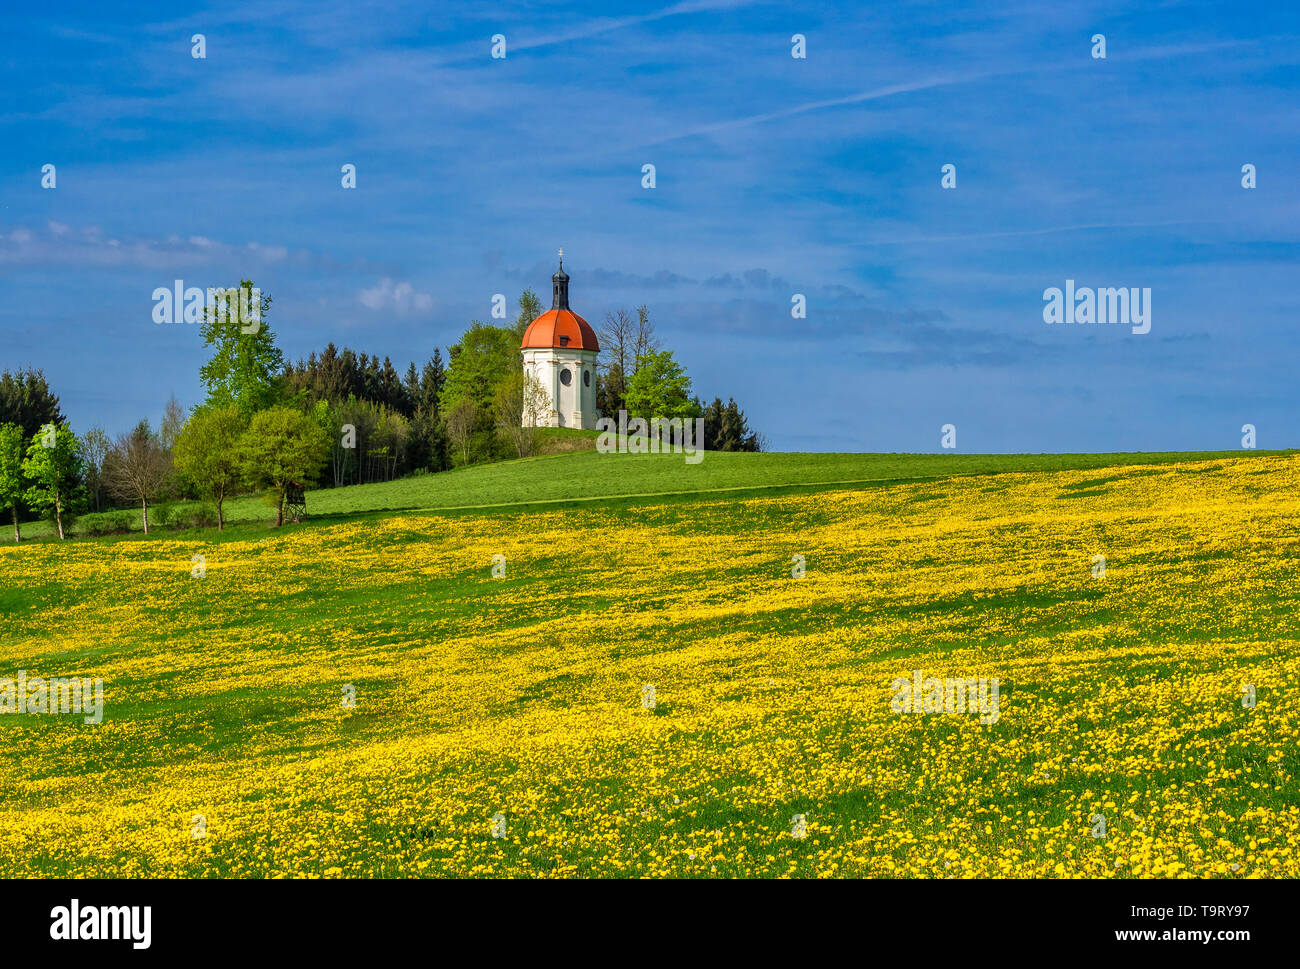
<point x="61" y="244"/>
<point x="399" y="297"/>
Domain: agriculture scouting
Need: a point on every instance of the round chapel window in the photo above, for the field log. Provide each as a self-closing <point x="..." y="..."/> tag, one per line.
<point x="566" y="377"/>
<point x="586" y="378"/>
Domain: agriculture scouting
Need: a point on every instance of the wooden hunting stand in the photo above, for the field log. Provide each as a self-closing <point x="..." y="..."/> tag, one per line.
<point x="295" y="500"/>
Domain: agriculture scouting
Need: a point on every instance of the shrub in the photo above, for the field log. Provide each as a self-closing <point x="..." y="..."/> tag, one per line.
<point x="197" y="516"/>
<point x="108" y="523"/>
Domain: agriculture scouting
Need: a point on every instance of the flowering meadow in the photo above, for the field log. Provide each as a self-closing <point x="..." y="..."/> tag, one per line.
<point x="364" y="698"/>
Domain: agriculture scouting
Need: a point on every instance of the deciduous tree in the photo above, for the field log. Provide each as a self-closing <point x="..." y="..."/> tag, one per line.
<point x="207" y="452"/>
<point x="461" y="419"/>
<point x="520" y="401"/>
<point x="245" y="367"/>
<point x="660" y="388"/>
<point x="54" y="471"/>
<point x="136" y="469"/>
<point x="12" y="482"/>
<point x="484" y="357"/>
<point x="282" y="446"/>
<point x="617" y="337"/>
<point x="172" y="422"/>
<point x="94" y="449"/>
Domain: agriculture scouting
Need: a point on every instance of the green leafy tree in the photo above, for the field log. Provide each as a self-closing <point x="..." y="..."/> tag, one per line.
<point x="54" y="470"/>
<point x="246" y="365"/>
<point x="368" y="441"/>
<point x="482" y="359"/>
<point x="660" y="388"/>
<point x="12" y="484"/>
<point x="207" y="452"/>
<point x="479" y="362"/>
<point x="282" y="446"/>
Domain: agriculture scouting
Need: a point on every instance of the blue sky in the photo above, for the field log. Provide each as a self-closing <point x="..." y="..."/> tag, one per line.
<point x="775" y="176"/>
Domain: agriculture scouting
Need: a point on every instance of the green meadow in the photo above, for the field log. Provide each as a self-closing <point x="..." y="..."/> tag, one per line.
<point x="523" y="695"/>
<point x="586" y="475"/>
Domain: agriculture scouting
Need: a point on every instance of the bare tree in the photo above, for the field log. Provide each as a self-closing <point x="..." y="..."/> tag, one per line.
<point x="460" y="426"/>
<point x="624" y="343"/>
<point x="644" y="342"/>
<point x="617" y="342"/>
<point x="94" y="449"/>
<point x="172" y="422"/>
<point x="137" y="467"/>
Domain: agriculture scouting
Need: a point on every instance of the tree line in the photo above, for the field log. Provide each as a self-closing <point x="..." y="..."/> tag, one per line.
<point x="337" y="417"/>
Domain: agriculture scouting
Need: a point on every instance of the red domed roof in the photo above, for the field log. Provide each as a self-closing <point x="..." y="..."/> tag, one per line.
<point x="560" y="328"/>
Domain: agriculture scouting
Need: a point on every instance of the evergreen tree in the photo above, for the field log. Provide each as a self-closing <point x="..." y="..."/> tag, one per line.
<point x="530" y="308"/>
<point x="726" y="428"/>
<point x="26" y="400"/>
<point x="411" y="389"/>
<point x="390" y="387"/>
<point x="430" y="426"/>
<point x="432" y="379"/>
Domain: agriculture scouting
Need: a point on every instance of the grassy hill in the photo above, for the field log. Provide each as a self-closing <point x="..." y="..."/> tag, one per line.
<point x="586" y="474"/>
<point x="1121" y="695"/>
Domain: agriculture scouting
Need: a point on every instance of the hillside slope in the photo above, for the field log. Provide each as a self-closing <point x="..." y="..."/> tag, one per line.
<point x="1121" y="694"/>
<point x="588" y="475"/>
